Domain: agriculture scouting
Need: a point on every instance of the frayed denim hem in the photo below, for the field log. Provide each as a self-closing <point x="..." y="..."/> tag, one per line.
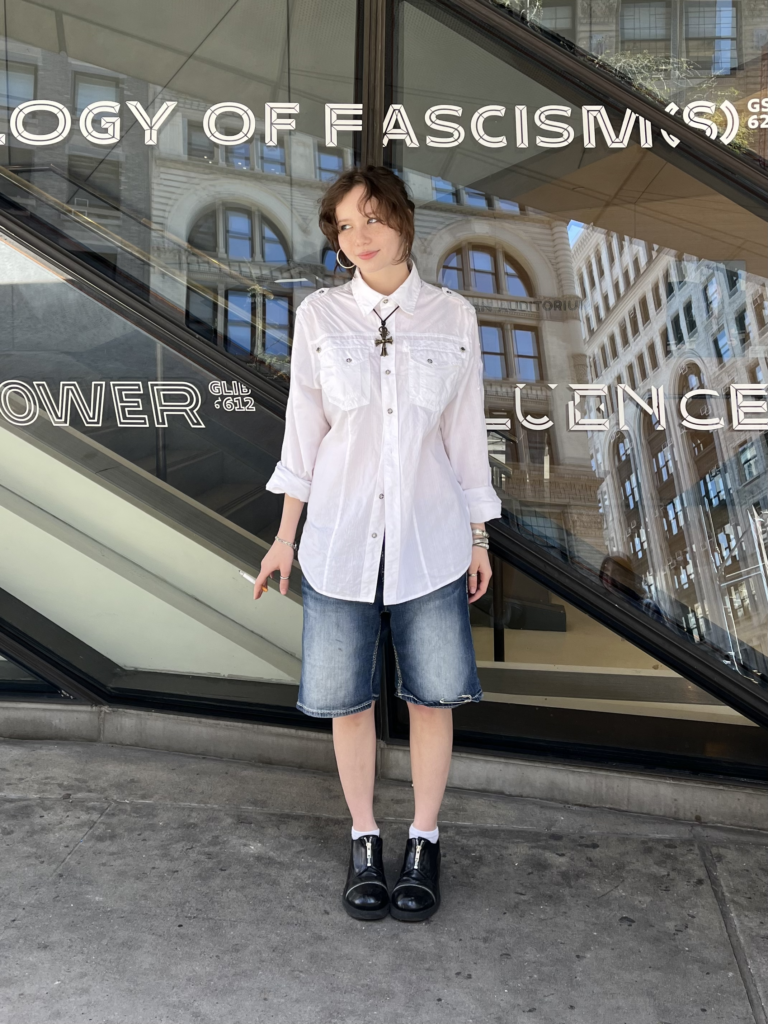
<point x="338" y="712"/>
<point x="460" y="700"/>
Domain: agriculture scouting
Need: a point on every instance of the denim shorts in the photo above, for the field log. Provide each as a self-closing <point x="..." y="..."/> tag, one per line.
<point x="342" y="643"/>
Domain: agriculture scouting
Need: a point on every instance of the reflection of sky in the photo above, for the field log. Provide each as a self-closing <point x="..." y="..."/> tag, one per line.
<point x="575" y="228"/>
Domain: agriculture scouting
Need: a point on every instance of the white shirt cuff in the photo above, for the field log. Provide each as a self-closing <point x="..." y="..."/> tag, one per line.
<point x="283" y="481"/>
<point x="483" y="503"/>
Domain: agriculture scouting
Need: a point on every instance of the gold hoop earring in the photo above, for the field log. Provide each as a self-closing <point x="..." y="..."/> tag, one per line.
<point x="343" y="265"/>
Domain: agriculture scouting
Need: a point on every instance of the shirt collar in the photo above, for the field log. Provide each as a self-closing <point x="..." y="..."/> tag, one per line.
<point x="405" y="296"/>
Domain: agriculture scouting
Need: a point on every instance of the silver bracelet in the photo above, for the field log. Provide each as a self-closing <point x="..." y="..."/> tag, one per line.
<point x="290" y="545"/>
<point x="477" y="543"/>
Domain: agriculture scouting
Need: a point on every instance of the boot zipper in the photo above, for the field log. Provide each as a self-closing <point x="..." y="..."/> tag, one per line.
<point x="368" y="846"/>
<point x="419" y="844"/>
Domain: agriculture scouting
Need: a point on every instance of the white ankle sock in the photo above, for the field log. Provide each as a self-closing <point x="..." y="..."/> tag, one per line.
<point x="370" y="832"/>
<point x="418" y="833"/>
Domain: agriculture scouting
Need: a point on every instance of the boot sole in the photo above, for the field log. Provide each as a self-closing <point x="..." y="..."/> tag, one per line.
<point x="365" y="915"/>
<point x="414" y="915"/>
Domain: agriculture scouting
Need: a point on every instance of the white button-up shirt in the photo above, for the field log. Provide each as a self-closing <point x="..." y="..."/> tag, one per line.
<point x="391" y="444"/>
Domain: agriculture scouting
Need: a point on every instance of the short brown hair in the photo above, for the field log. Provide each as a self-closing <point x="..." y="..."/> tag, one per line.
<point x="389" y="194"/>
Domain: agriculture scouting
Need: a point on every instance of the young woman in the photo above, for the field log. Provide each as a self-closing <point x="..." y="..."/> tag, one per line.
<point x="385" y="439"/>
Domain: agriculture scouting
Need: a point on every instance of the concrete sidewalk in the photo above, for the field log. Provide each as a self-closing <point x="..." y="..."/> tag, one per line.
<point x="140" y="886"/>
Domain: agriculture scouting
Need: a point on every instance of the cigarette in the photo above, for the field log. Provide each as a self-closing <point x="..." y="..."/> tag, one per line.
<point x="252" y="579"/>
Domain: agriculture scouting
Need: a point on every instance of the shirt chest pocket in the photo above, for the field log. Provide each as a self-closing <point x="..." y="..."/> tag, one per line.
<point x="435" y="369"/>
<point x="345" y="375"/>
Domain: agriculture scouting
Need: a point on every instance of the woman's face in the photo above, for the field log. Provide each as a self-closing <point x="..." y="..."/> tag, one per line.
<point x="363" y="239"/>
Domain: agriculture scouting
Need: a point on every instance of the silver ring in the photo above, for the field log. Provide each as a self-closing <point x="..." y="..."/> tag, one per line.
<point x="285" y="577"/>
<point x="471" y="574"/>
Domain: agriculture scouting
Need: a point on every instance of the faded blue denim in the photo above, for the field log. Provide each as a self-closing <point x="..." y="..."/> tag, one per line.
<point x="342" y="645"/>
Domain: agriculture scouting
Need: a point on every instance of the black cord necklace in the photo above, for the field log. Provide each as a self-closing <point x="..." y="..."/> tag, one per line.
<point x="386" y="338"/>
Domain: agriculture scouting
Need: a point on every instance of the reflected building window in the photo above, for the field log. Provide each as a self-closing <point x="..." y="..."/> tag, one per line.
<point x="506" y="346"/>
<point x="272" y="248"/>
<point x="690" y="319"/>
<point x="473" y="197"/>
<point x="712" y="296"/>
<point x="646" y="27"/>
<point x="272" y="158"/>
<point x="734" y="279"/>
<point x="203" y="234"/>
<point x="199" y="146"/>
<point x="722" y="346"/>
<point x="492" y="348"/>
<point x="526" y="351"/>
<point x="633" y="324"/>
<point x="17" y="83"/>
<point x="758" y="307"/>
<point x="490" y="272"/>
<point x="711" y="35"/>
<point x="748" y="461"/>
<point x="238" y="156"/>
<point x="239" y="235"/>
<point x="201" y="312"/>
<point x="247" y="320"/>
<point x="482" y="263"/>
<point x="653" y="360"/>
<point x="239" y="325"/>
<point x="557" y="17"/>
<point x="256" y="324"/>
<point x="444" y="191"/>
<point x="665" y="346"/>
<point x="329" y="162"/>
<point x="743" y="331"/>
<point x="677" y="330"/>
<point x="635" y="541"/>
<point x="92" y="88"/>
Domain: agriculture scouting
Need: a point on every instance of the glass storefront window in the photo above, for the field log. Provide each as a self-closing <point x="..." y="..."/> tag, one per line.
<point x="642" y="480"/>
<point x="619" y="283"/>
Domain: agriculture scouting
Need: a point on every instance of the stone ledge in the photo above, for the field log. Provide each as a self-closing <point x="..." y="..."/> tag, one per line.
<point x="736" y="804"/>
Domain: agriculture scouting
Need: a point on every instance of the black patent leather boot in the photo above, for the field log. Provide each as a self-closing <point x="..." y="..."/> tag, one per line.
<point x="366" y="895"/>
<point x="416" y="896"/>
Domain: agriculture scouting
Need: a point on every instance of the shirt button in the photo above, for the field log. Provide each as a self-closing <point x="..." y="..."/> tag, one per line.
<point x="429" y="360"/>
<point x="387" y="371"/>
<point x="349" y="360"/>
<point x="381" y="495"/>
<point x="385" y="302"/>
<point x="389" y="410"/>
<point x="374" y="535"/>
<point x="318" y="348"/>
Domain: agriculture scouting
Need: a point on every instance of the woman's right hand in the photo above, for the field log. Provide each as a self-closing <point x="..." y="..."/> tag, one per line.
<point x="280" y="558"/>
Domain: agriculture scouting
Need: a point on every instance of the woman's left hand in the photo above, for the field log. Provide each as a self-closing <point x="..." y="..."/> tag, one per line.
<point x="479" y="573"/>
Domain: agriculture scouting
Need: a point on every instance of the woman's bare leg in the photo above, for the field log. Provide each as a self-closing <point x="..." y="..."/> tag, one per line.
<point x="354" y="741"/>
<point x="431" y="746"/>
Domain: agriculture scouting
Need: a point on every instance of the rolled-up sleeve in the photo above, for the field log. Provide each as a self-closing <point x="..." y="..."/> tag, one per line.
<point x="305" y="421"/>
<point x="464" y="433"/>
